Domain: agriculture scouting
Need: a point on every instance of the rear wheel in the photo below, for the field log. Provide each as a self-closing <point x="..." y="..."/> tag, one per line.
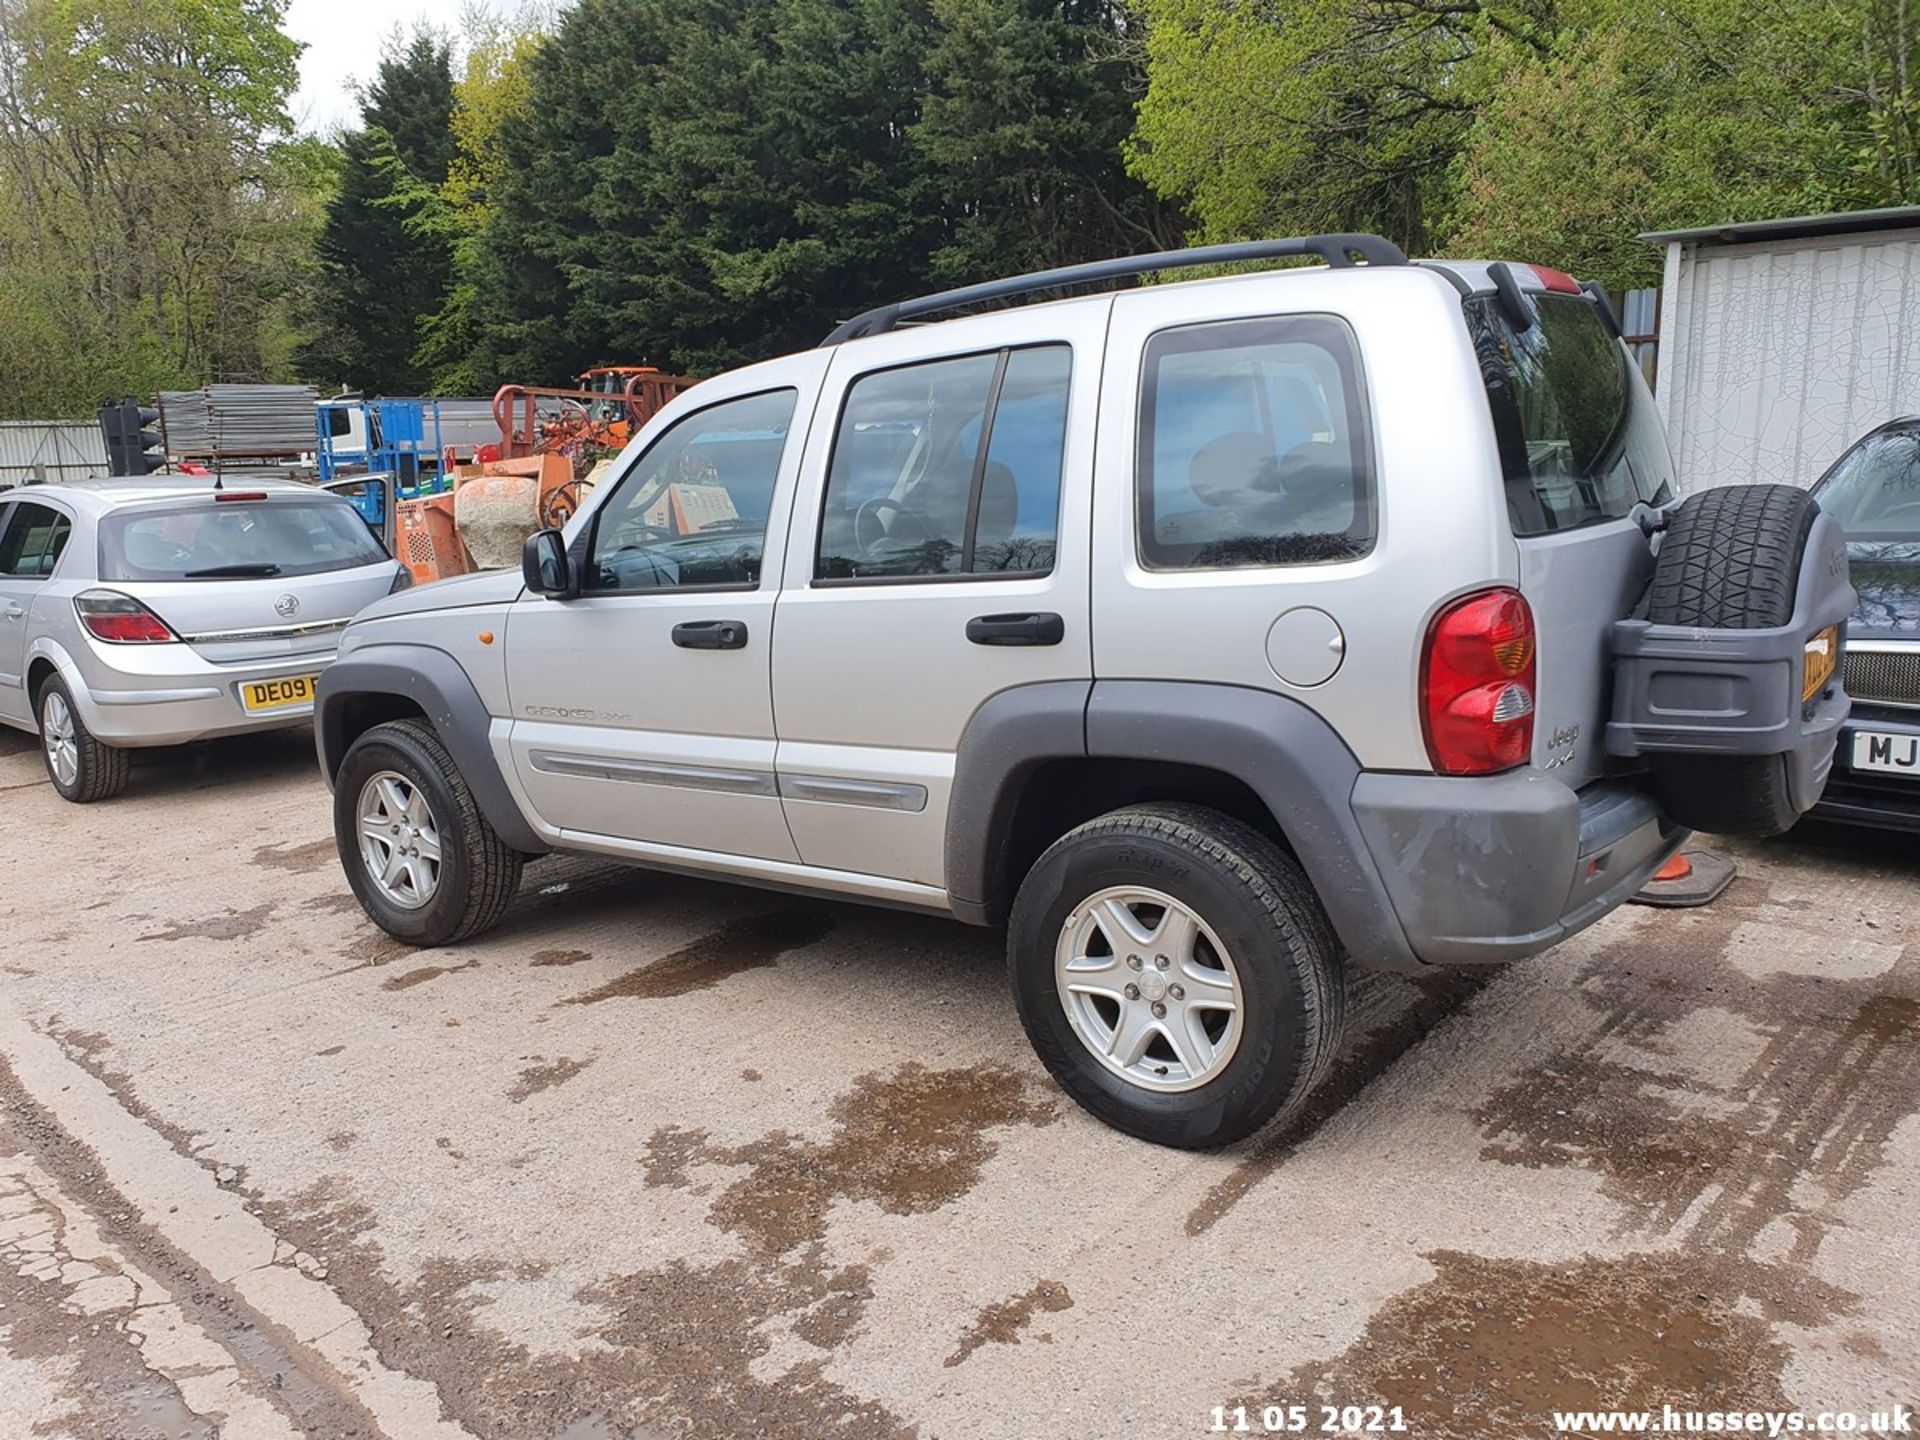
<point x="1730" y="560"/>
<point x="82" y="768"/>
<point x="1176" y="974"/>
<point x="421" y="858"/>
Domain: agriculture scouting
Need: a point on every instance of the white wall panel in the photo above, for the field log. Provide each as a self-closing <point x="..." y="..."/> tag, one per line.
<point x="1776" y="357"/>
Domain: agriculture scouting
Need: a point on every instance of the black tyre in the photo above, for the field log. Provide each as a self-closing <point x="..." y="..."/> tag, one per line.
<point x="1730" y="560"/>
<point x="83" y="769"/>
<point x="1130" y="938"/>
<point x="421" y="858"/>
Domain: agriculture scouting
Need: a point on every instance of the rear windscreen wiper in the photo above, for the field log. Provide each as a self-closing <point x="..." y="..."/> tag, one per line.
<point x="215" y="572"/>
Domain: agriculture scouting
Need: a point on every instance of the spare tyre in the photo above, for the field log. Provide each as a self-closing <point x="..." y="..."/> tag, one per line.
<point x="1730" y="560"/>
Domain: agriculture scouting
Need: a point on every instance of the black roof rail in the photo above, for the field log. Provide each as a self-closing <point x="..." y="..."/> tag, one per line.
<point x="1338" y="251"/>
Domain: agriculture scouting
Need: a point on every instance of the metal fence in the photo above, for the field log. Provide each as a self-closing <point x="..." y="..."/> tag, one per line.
<point x="50" y="451"/>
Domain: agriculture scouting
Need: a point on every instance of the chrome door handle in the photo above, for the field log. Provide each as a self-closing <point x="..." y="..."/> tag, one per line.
<point x="14" y="612"/>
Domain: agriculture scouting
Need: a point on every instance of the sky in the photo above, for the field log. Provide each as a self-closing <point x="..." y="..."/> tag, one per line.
<point x="343" y="40"/>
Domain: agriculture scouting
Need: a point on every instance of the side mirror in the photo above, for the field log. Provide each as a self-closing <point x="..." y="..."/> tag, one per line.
<point x="544" y="565"/>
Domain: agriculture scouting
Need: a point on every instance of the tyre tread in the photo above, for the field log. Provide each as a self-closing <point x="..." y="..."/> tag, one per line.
<point x="1730" y="560"/>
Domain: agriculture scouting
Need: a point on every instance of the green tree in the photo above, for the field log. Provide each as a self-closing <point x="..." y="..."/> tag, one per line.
<point x="1548" y="131"/>
<point x="493" y="87"/>
<point x="1028" y="104"/>
<point x="382" y="272"/>
<point x="702" y="183"/>
<point x="1320" y="115"/>
<point x="1701" y="111"/>
<point x="150" y="217"/>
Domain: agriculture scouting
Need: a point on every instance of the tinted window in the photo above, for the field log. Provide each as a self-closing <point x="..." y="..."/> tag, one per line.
<point x="949" y="467"/>
<point x="1874" y="491"/>
<point x="235" y="540"/>
<point x="1580" y="442"/>
<point x="693" y="509"/>
<point x="33" y="542"/>
<point x="1253" y="446"/>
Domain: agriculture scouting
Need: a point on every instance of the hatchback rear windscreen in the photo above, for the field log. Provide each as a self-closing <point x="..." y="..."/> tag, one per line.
<point x="235" y="540"/>
<point x="1580" y="441"/>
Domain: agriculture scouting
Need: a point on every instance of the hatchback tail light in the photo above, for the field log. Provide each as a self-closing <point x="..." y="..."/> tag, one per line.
<point x="120" y="619"/>
<point x="1477" y="684"/>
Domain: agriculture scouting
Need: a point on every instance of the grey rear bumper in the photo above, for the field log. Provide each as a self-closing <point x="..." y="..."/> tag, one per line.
<point x="1490" y="869"/>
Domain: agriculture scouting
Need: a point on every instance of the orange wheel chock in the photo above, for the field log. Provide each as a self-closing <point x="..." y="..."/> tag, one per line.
<point x="1677" y="868"/>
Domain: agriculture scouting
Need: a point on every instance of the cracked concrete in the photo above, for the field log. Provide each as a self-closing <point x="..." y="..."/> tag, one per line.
<point x="809" y="1180"/>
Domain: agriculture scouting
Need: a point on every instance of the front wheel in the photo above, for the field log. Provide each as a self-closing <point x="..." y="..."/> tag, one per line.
<point x="421" y="858"/>
<point x="1176" y="974"/>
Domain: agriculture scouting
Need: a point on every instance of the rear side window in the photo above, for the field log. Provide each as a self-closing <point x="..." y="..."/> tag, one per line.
<point x="33" y="541"/>
<point x="1580" y="443"/>
<point x="949" y="467"/>
<point x="235" y="540"/>
<point x="1253" y="446"/>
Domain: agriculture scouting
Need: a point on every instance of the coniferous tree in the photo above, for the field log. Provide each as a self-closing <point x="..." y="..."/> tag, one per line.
<point x="381" y="277"/>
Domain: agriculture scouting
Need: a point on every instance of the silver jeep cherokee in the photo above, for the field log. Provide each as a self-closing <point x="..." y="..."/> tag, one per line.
<point x="1212" y="637"/>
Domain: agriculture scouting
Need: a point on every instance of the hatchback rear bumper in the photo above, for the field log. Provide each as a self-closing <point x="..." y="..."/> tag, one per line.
<point x="1485" y="870"/>
<point x="189" y="699"/>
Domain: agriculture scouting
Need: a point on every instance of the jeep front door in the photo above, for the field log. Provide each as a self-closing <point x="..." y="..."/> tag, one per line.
<point x="642" y="708"/>
<point x="939" y="556"/>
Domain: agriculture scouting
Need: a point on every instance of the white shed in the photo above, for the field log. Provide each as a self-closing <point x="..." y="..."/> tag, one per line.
<point x="1783" y="341"/>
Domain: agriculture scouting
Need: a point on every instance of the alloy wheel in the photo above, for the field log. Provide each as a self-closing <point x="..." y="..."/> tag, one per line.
<point x="58" y="733"/>
<point x="399" y="840"/>
<point x="1149" y="989"/>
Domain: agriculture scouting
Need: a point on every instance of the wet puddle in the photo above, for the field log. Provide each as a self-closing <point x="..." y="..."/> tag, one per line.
<point x="749" y="944"/>
<point x="910" y="1141"/>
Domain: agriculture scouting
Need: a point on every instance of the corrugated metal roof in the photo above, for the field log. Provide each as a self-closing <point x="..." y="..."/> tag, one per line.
<point x="1796" y="227"/>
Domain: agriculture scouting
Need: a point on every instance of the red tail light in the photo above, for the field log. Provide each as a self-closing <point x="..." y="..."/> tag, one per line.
<point x="1556" y="280"/>
<point x="1476" y="684"/>
<point x="120" y="619"/>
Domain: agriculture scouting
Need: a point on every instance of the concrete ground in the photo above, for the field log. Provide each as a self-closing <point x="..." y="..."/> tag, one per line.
<point x="666" y="1158"/>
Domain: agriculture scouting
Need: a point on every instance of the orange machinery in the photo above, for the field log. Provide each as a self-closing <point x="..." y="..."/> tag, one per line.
<point x="540" y="489"/>
<point x="612" y="402"/>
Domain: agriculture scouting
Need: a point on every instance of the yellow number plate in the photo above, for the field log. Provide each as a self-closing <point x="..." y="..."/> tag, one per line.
<point x="258" y="695"/>
<point x="1823" y="653"/>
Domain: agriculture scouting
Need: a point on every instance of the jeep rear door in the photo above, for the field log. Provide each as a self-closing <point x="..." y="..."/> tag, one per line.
<point x="1581" y="453"/>
<point x="643" y="707"/>
<point x="939" y="556"/>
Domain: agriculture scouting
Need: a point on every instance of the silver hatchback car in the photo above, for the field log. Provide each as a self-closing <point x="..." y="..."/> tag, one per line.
<point x="155" y="611"/>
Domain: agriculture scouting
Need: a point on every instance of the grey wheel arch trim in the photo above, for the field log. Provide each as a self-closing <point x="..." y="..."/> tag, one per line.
<point x="435" y="682"/>
<point x="1288" y="756"/>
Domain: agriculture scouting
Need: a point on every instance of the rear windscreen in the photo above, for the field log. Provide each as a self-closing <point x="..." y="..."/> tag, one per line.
<point x="1579" y="440"/>
<point x="235" y="540"/>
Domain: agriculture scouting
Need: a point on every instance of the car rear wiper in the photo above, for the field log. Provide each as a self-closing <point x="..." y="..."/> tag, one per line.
<point x="215" y="572"/>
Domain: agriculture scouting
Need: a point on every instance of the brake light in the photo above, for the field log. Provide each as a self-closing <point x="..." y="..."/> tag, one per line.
<point x="1477" y="684"/>
<point x="241" y="495"/>
<point x="1556" y="280"/>
<point x="120" y="619"/>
